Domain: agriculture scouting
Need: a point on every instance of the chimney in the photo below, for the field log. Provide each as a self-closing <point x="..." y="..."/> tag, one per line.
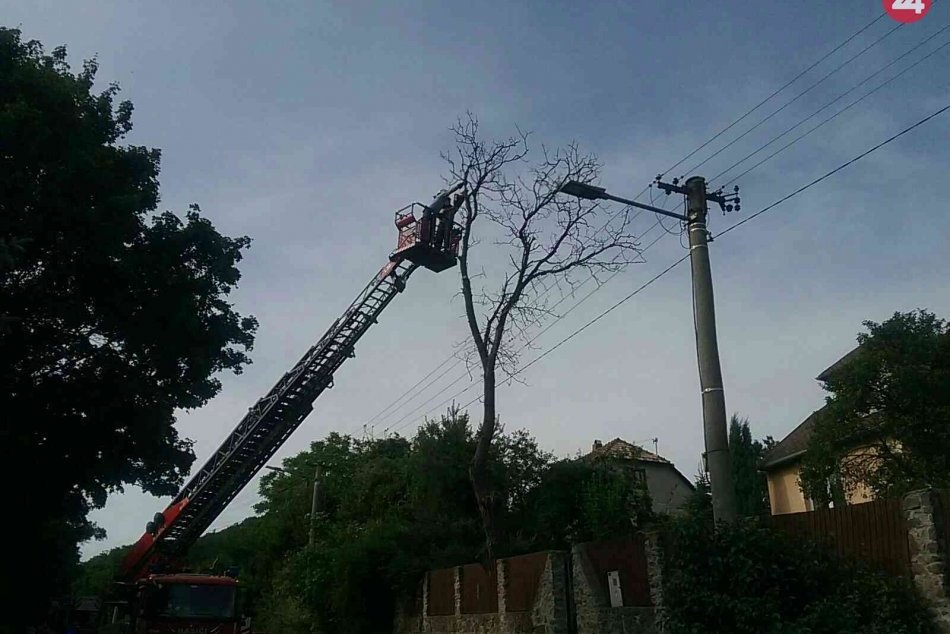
<point x="598" y="445"/>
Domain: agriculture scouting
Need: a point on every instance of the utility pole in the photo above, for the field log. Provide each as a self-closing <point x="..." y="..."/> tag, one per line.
<point x="707" y="353"/>
<point x="715" y="431"/>
<point x="315" y="504"/>
<point x="715" y="428"/>
<point x="315" y="501"/>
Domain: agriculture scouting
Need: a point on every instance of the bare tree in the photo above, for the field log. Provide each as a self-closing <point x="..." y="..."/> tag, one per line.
<point x="543" y="239"/>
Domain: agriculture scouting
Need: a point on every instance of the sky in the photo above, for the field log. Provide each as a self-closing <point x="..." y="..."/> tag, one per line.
<point x="305" y="125"/>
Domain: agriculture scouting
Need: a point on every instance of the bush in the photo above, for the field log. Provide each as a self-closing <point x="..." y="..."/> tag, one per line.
<point x="745" y="578"/>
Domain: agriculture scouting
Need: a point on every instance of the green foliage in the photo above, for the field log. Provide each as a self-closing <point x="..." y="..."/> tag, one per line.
<point x="699" y="505"/>
<point x="96" y="574"/>
<point x="109" y="320"/>
<point x="741" y="578"/>
<point x="752" y="496"/>
<point x="242" y="545"/>
<point x="891" y="400"/>
<point x="580" y="501"/>
<point x="391" y="509"/>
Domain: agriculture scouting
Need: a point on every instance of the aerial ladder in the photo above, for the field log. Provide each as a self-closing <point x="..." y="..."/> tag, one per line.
<point x="429" y="240"/>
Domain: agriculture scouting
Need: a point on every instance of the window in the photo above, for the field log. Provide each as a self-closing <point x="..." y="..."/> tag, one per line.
<point x="182" y="600"/>
<point x="639" y="477"/>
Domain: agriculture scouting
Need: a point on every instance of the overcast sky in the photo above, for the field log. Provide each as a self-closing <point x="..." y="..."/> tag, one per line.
<point x="306" y="124"/>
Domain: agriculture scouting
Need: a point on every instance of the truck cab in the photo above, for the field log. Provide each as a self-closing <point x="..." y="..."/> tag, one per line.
<point x="175" y="603"/>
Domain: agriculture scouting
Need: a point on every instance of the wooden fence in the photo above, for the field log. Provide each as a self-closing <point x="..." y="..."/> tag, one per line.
<point x="874" y="531"/>
<point x="442" y="592"/>
<point x="478" y="586"/>
<point x="523" y="575"/>
<point x="479" y="590"/>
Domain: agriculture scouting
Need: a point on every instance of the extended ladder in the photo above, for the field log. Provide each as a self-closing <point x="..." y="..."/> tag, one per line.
<point x="275" y="416"/>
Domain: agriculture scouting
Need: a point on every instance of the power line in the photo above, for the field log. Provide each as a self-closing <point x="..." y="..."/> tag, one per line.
<point x="389" y="408"/>
<point x="720" y="234"/>
<point x="835" y="100"/>
<point x="793" y="100"/>
<point x="459" y="361"/>
<point x="578" y="331"/>
<point x="835" y="170"/>
<point x="443" y="403"/>
<point x="770" y="97"/>
<point x="397" y="424"/>
<point x="829" y="119"/>
<point x="405" y="398"/>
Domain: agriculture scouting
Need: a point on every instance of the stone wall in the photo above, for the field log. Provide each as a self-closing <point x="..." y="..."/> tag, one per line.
<point x="592" y="610"/>
<point x="568" y="594"/>
<point x="928" y="551"/>
<point x="572" y="597"/>
<point x="654" y="550"/>
<point x="572" y="594"/>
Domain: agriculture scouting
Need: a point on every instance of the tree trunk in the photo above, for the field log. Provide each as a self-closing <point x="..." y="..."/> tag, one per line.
<point x="478" y="472"/>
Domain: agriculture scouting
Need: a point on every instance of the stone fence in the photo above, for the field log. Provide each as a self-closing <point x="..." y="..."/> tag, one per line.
<point x="616" y="586"/>
<point x="597" y="588"/>
<point x="928" y="527"/>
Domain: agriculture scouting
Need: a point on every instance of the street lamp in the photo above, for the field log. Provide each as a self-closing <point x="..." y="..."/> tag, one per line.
<point x="592" y="192"/>
<point x="704" y="316"/>
<point x="314" y="501"/>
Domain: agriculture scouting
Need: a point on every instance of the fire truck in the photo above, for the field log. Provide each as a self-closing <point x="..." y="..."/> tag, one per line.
<point x="151" y="594"/>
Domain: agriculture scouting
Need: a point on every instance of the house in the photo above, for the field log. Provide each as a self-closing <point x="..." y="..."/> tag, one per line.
<point x="782" y="463"/>
<point x="669" y="489"/>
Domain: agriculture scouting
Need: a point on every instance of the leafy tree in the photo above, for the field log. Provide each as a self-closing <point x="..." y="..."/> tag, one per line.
<point x="10" y="248"/>
<point x="97" y="574"/>
<point x="886" y="425"/>
<point x="752" y="496"/>
<point x="393" y="508"/>
<point x="112" y="319"/>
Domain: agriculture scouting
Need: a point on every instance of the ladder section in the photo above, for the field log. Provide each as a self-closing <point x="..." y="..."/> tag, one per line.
<point x="275" y="416"/>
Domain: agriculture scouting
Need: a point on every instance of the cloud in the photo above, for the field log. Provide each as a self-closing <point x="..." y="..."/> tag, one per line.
<point x="306" y="125"/>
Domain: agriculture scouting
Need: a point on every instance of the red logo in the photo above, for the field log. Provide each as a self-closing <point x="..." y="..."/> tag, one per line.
<point x="907" y="10"/>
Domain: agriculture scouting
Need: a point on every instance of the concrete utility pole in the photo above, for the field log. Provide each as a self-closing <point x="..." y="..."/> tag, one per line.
<point x="315" y="501"/>
<point x="718" y="461"/>
<point x="315" y="504"/>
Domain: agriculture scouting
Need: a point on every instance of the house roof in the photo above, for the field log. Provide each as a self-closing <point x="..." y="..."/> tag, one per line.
<point x="837" y="365"/>
<point x="796" y="442"/>
<point x="619" y="448"/>
<point x="793" y="445"/>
